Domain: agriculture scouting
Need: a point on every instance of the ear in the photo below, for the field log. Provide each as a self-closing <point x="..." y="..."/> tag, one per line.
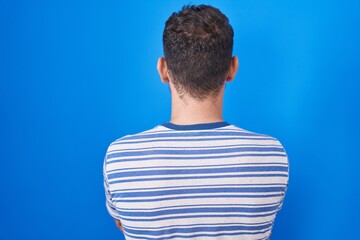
<point x="234" y="65"/>
<point x="163" y="70"/>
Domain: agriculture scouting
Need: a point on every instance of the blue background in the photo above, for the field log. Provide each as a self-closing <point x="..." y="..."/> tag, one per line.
<point x="76" y="75"/>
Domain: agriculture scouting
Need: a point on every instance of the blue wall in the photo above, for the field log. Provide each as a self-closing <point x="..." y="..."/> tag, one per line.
<point x="76" y="75"/>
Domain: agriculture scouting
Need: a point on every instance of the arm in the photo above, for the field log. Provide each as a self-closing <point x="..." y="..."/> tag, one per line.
<point x="118" y="224"/>
<point x="109" y="203"/>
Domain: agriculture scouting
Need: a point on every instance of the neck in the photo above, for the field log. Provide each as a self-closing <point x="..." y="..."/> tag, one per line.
<point x="191" y="111"/>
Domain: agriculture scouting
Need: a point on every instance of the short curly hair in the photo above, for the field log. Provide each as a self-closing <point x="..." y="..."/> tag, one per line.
<point x="198" y="44"/>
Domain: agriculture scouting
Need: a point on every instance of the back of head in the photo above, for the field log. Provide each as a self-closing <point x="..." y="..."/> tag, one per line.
<point x="198" y="43"/>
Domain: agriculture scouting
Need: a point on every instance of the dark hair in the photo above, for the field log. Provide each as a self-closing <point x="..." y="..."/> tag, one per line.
<point x="198" y="43"/>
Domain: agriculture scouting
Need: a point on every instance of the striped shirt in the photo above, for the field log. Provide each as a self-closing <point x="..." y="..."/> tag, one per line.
<point x="199" y="181"/>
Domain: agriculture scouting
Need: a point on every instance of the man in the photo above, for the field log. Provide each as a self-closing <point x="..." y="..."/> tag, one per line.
<point x="196" y="176"/>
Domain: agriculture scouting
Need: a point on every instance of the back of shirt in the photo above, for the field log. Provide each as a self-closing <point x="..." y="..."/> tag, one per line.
<point x="200" y="181"/>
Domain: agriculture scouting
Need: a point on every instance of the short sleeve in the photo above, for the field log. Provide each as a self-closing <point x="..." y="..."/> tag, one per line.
<point x="109" y="202"/>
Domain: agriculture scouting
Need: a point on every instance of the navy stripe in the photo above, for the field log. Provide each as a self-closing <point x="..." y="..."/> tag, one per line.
<point x="196" y="186"/>
<point x="198" y="210"/>
<point x="203" y="235"/>
<point x="192" y="147"/>
<point x="196" y="171"/>
<point x="200" y="196"/>
<point x="191" y="134"/>
<point x="198" y="205"/>
<point x="199" y="190"/>
<point x="200" y="126"/>
<point x="171" y="130"/>
<point x="191" y="140"/>
<point x="200" y="157"/>
<point x="199" y="229"/>
<point x="191" y="166"/>
<point x="200" y="224"/>
<point x="198" y="151"/>
<point x="198" y="177"/>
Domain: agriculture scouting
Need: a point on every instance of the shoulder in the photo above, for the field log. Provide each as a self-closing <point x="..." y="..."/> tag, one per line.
<point x="131" y="141"/>
<point x="150" y="132"/>
<point x="269" y="139"/>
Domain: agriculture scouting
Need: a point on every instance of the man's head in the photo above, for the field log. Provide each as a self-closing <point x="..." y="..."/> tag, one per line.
<point x="198" y="43"/>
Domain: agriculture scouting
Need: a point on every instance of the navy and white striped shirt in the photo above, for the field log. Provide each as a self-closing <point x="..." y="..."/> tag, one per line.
<point x="200" y="181"/>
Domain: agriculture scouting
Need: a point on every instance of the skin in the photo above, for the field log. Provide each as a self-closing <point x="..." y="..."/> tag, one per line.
<point x="187" y="110"/>
<point x="119" y="226"/>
